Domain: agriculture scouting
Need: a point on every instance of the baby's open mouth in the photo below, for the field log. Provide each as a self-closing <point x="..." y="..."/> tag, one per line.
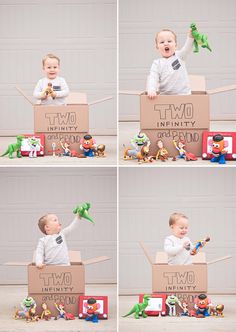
<point x="167" y="49"/>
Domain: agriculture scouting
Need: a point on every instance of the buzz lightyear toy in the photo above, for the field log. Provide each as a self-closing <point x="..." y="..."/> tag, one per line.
<point x="34" y="143"/>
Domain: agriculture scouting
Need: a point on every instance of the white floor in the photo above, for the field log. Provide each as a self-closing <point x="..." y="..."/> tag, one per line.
<point x="110" y="159"/>
<point x="127" y="130"/>
<point x="178" y="324"/>
<point x="11" y="296"/>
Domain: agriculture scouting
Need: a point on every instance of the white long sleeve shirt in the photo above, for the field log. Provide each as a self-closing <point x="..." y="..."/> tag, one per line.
<point x="59" y="86"/>
<point x="52" y="249"/>
<point x="169" y="75"/>
<point x="177" y="255"/>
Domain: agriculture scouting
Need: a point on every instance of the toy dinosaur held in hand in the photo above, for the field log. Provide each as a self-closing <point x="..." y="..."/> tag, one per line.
<point x="139" y="308"/>
<point x="199" y="39"/>
<point x="82" y="211"/>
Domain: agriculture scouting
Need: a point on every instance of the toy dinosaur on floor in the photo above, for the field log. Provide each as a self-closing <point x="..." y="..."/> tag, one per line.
<point x="14" y="147"/>
<point x="82" y="211"/>
<point x="139" y="308"/>
<point x="199" y="39"/>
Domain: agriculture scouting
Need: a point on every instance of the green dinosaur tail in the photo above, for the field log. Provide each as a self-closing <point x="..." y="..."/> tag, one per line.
<point x="5" y="153"/>
<point x="129" y="313"/>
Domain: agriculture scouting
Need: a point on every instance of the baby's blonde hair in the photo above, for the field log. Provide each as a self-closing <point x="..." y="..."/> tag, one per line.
<point x="50" y="56"/>
<point x="42" y="222"/>
<point x="175" y="216"/>
<point x="166" y="30"/>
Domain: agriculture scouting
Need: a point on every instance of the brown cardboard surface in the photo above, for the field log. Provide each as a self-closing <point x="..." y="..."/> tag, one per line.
<point x="175" y="112"/>
<point x="179" y="279"/>
<point x="73" y="138"/>
<point x="70" y="300"/>
<point x="56" y="279"/>
<point x="69" y="119"/>
<point x="193" y="139"/>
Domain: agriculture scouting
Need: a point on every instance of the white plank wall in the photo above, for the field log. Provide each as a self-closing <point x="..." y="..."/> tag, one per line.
<point x="82" y="33"/>
<point x="148" y="197"/>
<point x="140" y="20"/>
<point x="28" y="193"/>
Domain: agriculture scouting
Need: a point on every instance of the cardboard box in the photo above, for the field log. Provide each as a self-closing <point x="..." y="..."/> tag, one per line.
<point x="68" y="122"/>
<point x="186" y="281"/>
<point x="61" y="284"/>
<point x="174" y="117"/>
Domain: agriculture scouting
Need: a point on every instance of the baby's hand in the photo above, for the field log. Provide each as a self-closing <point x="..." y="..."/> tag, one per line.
<point x="44" y="96"/>
<point x="190" y="33"/>
<point x="186" y="245"/>
<point x="152" y="94"/>
<point x="40" y="266"/>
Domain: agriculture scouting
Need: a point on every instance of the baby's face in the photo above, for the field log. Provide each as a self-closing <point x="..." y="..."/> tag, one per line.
<point x="166" y="43"/>
<point x="53" y="225"/>
<point x="51" y="68"/>
<point x="180" y="228"/>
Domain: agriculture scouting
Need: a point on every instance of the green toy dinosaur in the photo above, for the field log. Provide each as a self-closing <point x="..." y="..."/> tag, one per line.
<point x="199" y="39"/>
<point x="139" y="308"/>
<point x="82" y="211"/>
<point x="14" y="147"/>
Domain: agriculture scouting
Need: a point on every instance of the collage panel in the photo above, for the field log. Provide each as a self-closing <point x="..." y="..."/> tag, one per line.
<point x="177" y="85"/>
<point x="58" y="249"/>
<point x="176" y="249"/>
<point x="58" y="82"/>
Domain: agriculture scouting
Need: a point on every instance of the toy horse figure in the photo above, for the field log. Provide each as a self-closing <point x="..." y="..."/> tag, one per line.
<point x="199" y="39"/>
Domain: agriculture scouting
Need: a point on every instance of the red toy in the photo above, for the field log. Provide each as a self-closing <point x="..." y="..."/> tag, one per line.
<point x="156" y="304"/>
<point x="99" y="307"/>
<point x="229" y="144"/>
<point x="25" y="148"/>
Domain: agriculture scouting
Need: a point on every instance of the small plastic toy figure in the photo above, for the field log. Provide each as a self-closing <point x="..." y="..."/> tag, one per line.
<point x="218" y="149"/>
<point x="65" y="148"/>
<point x="141" y="155"/>
<point x="180" y="146"/>
<point x="199" y="244"/>
<point x="14" y="147"/>
<point x="33" y="144"/>
<point x="199" y="39"/>
<point x="201" y="305"/>
<point x="49" y="91"/>
<point x="82" y="211"/>
<point x="100" y="150"/>
<point x="139" y="308"/>
<point x="139" y="140"/>
<point x="219" y="310"/>
<point x="88" y="145"/>
<point x="92" y="308"/>
<point x="162" y="153"/>
<point x="28" y="303"/>
<point x="46" y="313"/>
<point x="61" y="309"/>
<point x="185" y="309"/>
<point x="171" y="302"/>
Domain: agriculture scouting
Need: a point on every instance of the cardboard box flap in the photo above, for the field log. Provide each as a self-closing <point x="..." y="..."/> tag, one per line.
<point x="100" y="100"/>
<point x="161" y="258"/>
<point x="75" y="256"/>
<point x="76" y="98"/>
<point x="222" y="89"/>
<point x="146" y="253"/>
<point x="197" y="83"/>
<point x="131" y="92"/>
<point x="29" y="99"/>
<point x="17" y="263"/>
<point x="96" y="260"/>
<point x="219" y="259"/>
<point x="200" y="258"/>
